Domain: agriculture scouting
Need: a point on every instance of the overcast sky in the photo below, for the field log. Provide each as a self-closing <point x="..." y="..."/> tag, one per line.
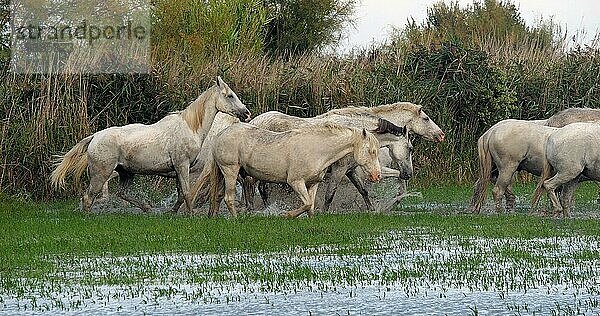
<point x="374" y="18"/>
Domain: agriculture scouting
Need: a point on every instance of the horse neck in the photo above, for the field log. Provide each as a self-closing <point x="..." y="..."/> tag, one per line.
<point x="210" y="112"/>
<point x="370" y="123"/>
<point x="400" y="117"/>
<point x="205" y="108"/>
<point x="337" y="148"/>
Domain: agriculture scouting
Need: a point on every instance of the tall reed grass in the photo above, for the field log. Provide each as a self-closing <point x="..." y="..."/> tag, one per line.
<point x="464" y="86"/>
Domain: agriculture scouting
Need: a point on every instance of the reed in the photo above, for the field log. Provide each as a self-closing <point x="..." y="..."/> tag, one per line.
<point x="465" y="86"/>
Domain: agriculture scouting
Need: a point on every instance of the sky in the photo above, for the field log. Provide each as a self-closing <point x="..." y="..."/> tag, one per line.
<point x="374" y="18"/>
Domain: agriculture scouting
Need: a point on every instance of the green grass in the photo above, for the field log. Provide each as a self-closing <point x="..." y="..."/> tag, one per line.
<point x="56" y="253"/>
<point x="585" y="196"/>
<point x="32" y="232"/>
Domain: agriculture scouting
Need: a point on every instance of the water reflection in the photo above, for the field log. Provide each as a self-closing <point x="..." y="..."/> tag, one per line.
<point x="410" y="272"/>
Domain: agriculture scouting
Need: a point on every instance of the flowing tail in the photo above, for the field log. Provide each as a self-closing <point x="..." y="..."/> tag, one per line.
<point x="546" y="173"/>
<point x="210" y="182"/>
<point x="485" y="174"/>
<point x="74" y="162"/>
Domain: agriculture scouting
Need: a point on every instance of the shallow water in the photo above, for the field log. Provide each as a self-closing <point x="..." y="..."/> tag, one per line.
<point x="411" y="272"/>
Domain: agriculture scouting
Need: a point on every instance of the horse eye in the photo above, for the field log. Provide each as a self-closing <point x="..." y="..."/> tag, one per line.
<point x="426" y="118"/>
<point x="230" y="96"/>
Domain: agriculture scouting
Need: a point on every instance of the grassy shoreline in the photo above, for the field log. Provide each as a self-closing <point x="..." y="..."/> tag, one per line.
<point x="31" y="230"/>
<point x="53" y="257"/>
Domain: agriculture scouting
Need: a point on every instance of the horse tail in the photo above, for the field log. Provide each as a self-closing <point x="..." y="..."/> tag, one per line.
<point x="74" y="162"/>
<point x="546" y="172"/>
<point x="485" y="174"/>
<point x="212" y="179"/>
<point x="217" y="185"/>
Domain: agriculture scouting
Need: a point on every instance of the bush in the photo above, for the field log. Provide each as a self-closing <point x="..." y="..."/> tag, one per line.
<point x="464" y="87"/>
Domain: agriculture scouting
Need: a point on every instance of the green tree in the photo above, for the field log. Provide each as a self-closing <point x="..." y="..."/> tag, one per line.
<point x="203" y="29"/>
<point x="487" y="23"/>
<point x="299" y="26"/>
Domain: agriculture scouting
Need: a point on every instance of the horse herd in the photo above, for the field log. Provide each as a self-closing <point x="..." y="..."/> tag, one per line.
<point x="208" y="152"/>
<point x="563" y="150"/>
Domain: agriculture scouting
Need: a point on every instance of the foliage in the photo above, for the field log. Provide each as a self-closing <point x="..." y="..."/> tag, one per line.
<point x="197" y="30"/>
<point x="482" y="24"/>
<point x="464" y="84"/>
<point x="301" y="26"/>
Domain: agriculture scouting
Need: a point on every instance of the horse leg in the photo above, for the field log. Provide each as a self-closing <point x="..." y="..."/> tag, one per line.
<point x="337" y="174"/>
<point x="553" y="183"/>
<point x="394" y="173"/>
<point x="125" y="180"/>
<point x="97" y="180"/>
<point x="360" y="186"/>
<point x="299" y="187"/>
<point x="504" y="180"/>
<point x="230" y="174"/>
<point x="216" y="203"/>
<point x="312" y="193"/>
<point x="403" y="184"/>
<point x="179" y="202"/>
<point x="511" y="199"/>
<point x="183" y="184"/>
<point x="200" y="200"/>
<point x="566" y="196"/>
<point x="104" y="195"/>
<point x="248" y="185"/>
<point x="180" y="199"/>
<point x="263" y="190"/>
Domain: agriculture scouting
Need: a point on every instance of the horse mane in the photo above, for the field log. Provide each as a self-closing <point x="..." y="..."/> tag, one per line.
<point x="327" y="127"/>
<point x="384" y="126"/>
<point x="362" y="110"/>
<point x="193" y="114"/>
<point x="398" y="106"/>
<point x="348" y="111"/>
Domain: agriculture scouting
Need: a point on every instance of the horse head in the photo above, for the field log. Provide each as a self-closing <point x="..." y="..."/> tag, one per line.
<point x="413" y="117"/>
<point x="366" y="154"/>
<point x="228" y="102"/>
<point x="423" y="125"/>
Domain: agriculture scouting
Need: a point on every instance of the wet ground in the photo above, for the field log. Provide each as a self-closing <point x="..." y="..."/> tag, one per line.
<point x="408" y="272"/>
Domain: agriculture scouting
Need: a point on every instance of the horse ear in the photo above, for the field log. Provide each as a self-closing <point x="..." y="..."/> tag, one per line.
<point x="222" y="85"/>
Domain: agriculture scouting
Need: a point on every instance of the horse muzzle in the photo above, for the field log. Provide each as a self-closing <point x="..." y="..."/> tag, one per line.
<point x="244" y="115"/>
<point x="375" y="177"/>
<point x="440" y="137"/>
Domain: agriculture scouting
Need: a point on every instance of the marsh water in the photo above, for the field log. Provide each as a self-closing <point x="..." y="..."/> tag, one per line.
<point x="403" y="272"/>
<point x="415" y="272"/>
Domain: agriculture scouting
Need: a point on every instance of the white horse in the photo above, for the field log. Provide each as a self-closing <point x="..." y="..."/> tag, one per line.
<point x="572" y="154"/>
<point x="505" y="148"/>
<point x="297" y="157"/>
<point x="167" y="148"/>
<point x="389" y="135"/>
<point x="513" y="145"/>
<point x="402" y="114"/>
